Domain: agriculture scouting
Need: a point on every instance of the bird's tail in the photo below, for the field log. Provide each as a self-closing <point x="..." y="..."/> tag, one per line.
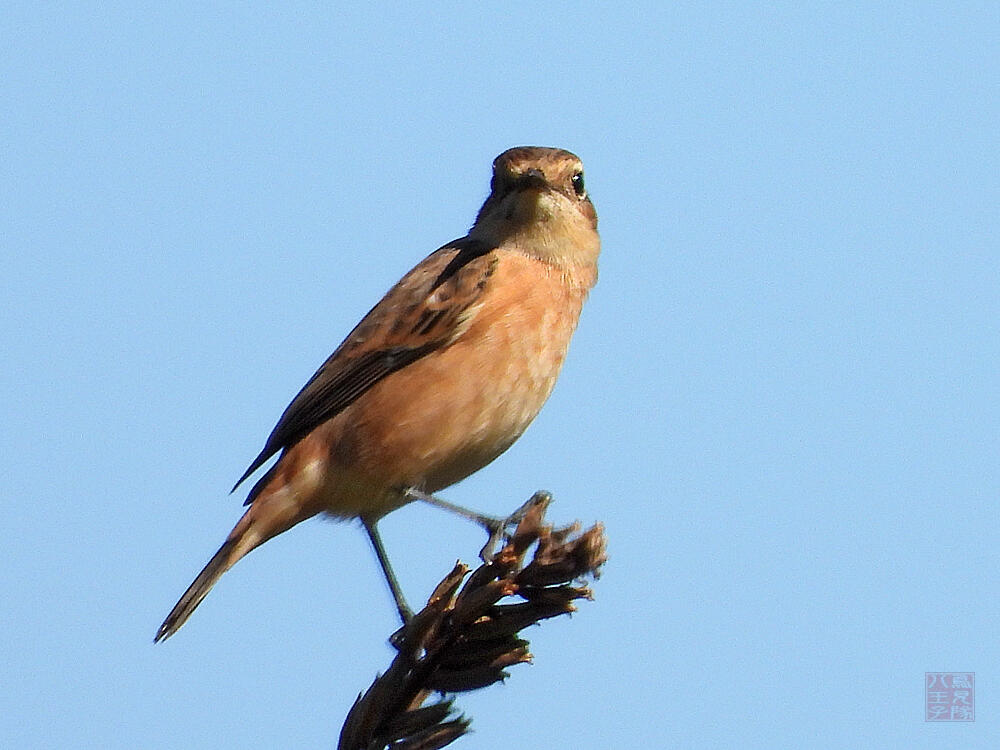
<point x="240" y="542"/>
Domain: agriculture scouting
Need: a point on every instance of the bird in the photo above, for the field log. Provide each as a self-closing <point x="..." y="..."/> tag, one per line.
<point x="439" y="378"/>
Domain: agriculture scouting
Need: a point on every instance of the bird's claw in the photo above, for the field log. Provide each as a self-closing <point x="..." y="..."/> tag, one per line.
<point x="499" y="527"/>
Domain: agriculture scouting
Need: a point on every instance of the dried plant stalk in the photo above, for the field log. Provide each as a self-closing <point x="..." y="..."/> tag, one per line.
<point x="466" y="638"/>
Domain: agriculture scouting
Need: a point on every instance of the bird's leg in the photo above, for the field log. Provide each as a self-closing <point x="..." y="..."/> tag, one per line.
<point x="405" y="613"/>
<point x="495" y="527"/>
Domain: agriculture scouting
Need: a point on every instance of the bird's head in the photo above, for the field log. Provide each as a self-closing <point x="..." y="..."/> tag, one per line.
<point x="538" y="204"/>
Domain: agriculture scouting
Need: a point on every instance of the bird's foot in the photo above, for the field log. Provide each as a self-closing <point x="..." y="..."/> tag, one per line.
<point x="499" y="529"/>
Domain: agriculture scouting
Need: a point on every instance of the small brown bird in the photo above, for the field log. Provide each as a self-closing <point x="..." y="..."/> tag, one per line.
<point x="440" y="377"/>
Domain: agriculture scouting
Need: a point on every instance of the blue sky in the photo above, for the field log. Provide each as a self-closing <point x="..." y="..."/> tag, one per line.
<point x="781" y="400"/>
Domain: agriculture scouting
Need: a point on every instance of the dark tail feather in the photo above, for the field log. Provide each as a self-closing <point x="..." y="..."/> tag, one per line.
<point x="219" y="564"/>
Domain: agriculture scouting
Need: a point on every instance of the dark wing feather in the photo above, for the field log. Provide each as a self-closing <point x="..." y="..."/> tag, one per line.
<point x="423" y="312"/>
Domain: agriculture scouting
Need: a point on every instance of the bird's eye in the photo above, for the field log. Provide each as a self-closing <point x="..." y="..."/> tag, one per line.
<point x="578" y="184"/>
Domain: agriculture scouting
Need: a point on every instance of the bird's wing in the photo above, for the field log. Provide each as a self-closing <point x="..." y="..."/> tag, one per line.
<point x="426" y="310"/>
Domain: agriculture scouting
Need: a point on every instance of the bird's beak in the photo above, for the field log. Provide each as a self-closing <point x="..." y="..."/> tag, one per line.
<point x="532" y="178"/>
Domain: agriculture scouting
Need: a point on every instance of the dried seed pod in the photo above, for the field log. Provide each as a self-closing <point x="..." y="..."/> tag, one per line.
<point x="464" y="639"/>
